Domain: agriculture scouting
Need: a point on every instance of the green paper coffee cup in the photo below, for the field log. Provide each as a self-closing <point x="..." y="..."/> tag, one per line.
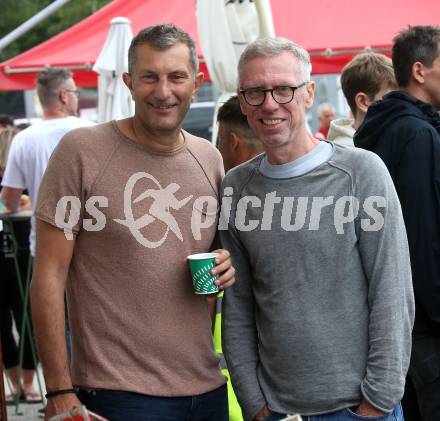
<point x="202" y="279"/>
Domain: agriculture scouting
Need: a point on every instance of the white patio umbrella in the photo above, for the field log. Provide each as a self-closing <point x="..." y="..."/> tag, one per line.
<point x="226" y="27"/>
<point x="114" y="98"/>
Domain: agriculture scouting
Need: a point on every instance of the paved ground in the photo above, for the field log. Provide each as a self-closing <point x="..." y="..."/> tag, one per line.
<point x="26" y="412"/>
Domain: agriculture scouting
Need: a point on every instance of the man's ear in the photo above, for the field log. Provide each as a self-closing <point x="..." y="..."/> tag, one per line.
<point x="197" y="83"/>
<point x="418" y="72"/>
<point x="234" y="141"/>
<point x="126" y="77"/>
<point x="62" y="96"/>
<point x="362" y="101"/>
<point x="310" y="94"/>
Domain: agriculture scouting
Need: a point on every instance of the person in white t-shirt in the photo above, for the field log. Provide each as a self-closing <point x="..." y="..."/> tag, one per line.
<point x="31" y="149"/>
<point x="30" y="152"/>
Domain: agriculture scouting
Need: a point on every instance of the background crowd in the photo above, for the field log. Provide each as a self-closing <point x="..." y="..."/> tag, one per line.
<point x="333" y="327"/>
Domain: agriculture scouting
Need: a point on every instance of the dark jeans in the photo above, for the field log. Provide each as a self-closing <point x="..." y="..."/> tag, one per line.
<point x="424" y="371"/>
<point x="345" y="415"/>
<point x="410" y="403"/>
<point x="123" y="406"/>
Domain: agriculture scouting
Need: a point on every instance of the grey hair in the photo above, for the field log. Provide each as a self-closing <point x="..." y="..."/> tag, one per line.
<point x="162" y="37"/>
<point x="49" y="83"/>
<point x="324" y="106"/>
<point x="270" y="47"/>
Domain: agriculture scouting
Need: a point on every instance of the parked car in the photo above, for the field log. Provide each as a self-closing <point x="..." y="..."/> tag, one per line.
<point x="199" y="119"/>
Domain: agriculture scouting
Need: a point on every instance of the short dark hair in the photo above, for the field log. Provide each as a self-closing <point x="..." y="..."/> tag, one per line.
<point x="6" y="120"/>
<point x="162" y="37"/>
<point x="413" y="44"/>
<point x="49" y="82"/>
<point x="230" y="115"/>
<point x="368" y="73"/>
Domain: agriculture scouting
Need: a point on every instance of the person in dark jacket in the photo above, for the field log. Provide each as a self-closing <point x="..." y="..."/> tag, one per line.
<point x="404" y="130"/>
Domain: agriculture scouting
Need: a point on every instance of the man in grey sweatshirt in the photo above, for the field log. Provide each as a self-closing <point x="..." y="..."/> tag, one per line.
<point x="319" y="321"/>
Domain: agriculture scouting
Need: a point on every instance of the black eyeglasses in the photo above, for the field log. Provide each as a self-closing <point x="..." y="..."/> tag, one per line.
<point x="73" y="91"/>
<point x="280" y="94"/>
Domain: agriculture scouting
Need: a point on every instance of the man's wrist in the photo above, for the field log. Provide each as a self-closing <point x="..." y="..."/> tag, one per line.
<point x="58" y="392"/>
<point x="58" y="383"/>
<point x="264" y="412"/>
<point x="366" y="409"/>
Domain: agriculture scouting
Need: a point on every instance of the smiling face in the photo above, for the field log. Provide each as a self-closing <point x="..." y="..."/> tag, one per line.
<point x="277" y="125"/>
<point x="162" y="84"/>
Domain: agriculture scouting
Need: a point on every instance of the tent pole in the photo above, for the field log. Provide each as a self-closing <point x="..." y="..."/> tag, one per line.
<point x="30" y="23"/>
<point x="265" y="18"/>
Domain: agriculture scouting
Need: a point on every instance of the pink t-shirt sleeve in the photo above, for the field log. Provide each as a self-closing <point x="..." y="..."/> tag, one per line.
<point x="62" y="190"/>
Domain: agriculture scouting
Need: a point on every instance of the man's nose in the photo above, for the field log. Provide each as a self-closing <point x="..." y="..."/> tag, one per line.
<point x="269" y="104"/>
<point x="163" y="90"/>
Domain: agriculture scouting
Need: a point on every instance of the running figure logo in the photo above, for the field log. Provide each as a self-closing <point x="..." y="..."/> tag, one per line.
<point x="164" y="200"/>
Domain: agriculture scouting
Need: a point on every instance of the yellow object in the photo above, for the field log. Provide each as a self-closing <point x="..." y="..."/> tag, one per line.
<point x="234" y="407"/>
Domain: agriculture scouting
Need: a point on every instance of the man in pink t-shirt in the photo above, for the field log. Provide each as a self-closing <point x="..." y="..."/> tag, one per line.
<point x="120" y="207"/>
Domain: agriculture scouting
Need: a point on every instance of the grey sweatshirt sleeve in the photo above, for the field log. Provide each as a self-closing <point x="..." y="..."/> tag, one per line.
<point x="384" y="252"/>
<point x="239" y="332"/>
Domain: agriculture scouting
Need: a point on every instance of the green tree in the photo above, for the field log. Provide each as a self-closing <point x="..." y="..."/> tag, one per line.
<point x="15" y="12"/>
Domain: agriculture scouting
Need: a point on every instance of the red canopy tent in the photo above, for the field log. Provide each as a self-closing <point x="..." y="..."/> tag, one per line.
<point x="332" y="30"/>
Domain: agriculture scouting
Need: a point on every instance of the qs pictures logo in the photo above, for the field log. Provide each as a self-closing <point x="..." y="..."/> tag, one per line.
<point x="164" y="204"/>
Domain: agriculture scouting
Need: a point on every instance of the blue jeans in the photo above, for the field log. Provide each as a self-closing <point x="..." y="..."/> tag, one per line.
<point x="128" y="406"/>
<point x="344" y="415"/>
